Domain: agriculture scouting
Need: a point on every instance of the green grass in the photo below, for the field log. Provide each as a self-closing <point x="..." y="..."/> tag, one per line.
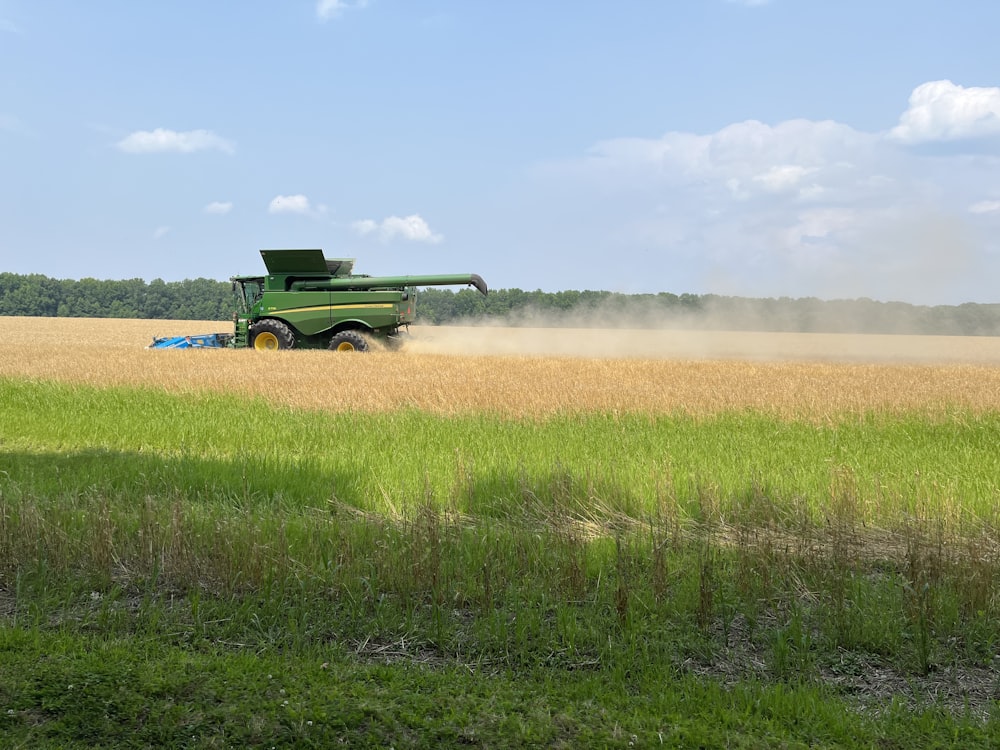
<point x="219" y="449"/>
<point x="409" y="579"/>
<point x="79" y="691"/>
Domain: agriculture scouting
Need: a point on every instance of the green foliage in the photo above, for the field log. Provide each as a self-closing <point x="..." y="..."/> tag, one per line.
<point x="71" y="689"/>
<point x="36" y="295"/>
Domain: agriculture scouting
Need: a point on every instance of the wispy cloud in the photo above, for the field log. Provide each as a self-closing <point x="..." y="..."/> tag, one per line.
<point x="750" y="3"/>
<point x="944" y="111"/>
<point x="330" y="9"/>
<point x="184" y="142"/>
<point x="219" y="207"/>
<point x="160" y="232"/>
<point x="412" y="228"/>
<point x="295" y="204"/>
<point x="6" y="25"/>
<point x="985" y="207"/>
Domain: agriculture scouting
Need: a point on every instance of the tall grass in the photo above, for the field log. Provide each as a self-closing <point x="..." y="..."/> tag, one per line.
<point x="737" y="466"/>
<point x="763" y="566"/>
<point x="512" y="594"/>
<point x="591" y="538"/>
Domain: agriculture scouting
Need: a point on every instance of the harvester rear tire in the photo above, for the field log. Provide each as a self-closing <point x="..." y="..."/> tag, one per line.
<point x="348" y="341"/>
<point x="267" y="335"/>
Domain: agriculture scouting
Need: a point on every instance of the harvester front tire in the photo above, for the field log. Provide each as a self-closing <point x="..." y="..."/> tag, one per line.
<point x="348" y="341"/>
<point x="268" y="335"/>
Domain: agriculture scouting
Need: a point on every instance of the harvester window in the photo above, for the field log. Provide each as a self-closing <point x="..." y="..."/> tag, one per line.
<point x="252" y="292"/>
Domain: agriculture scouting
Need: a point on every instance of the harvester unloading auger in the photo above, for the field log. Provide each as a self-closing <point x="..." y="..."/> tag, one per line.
<point x="308" y="301"/>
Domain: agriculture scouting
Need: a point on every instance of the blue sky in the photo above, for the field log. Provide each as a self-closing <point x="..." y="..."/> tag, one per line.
<point x="758" y="148"/>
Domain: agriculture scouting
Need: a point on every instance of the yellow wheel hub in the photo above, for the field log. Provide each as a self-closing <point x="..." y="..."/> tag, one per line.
<point x="265" y="340"/>
<point x="345" y="346"/>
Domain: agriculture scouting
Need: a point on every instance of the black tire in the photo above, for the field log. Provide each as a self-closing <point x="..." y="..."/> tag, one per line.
<point x="266" y="335"/>
<point x="348" y="341"/>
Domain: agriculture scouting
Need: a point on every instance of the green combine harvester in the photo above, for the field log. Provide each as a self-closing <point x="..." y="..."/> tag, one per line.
<point x="308" y="301"/>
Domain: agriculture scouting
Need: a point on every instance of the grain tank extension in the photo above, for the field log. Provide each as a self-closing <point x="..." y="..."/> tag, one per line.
<point x="308" y="301"/>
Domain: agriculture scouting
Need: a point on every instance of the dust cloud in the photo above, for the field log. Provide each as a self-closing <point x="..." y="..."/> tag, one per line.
<point x="730" y="328"/>
<point x="623" y="343"/>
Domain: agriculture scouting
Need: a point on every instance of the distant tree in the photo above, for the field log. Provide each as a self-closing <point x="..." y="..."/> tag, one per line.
<point x="206" y="299"/>
<point x="202" y="299"/>
<point x="34" y="294"/>
<point x="159" y="300"/>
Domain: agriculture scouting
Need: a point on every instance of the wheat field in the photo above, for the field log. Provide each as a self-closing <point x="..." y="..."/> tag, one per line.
<point x="534" y="372"/>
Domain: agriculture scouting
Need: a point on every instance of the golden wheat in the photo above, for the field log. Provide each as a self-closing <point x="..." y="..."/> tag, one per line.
<point x="112" y="352"/>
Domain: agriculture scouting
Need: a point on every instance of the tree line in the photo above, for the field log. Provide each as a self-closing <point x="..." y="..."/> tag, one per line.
<point x="207" y="299"/>
<point x="191" y="299"/>
<point x="598" y="309"/>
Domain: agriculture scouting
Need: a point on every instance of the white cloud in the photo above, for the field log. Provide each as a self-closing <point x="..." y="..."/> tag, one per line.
<point x="750" y="3"/>
<point x="944" y="111"/>
<point x="411" y="228"/>
<point x="742" y="160"/>
<point x="328" y="9"/>
<point x="985" y="207"/>
<point x="365" y="226"/>
<point x="219" y="207"/>
<point x="161" y="140"/>
<point x="295" y="204"/>
<point x="289" y="204"/>
<point x="798" y="208"/>
<point x="781" y="177"/>
<point x="813" y="225"/>
<point x="160" y="232"/>
<point x="9" y="26"/>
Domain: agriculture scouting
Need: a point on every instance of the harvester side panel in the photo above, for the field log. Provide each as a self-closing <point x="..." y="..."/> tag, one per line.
<point x="312" y="313"/>
<point x="307" y="312"/>
<point x="376" y="310"/>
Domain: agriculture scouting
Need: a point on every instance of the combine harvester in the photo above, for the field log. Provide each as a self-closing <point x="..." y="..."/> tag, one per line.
<point x="308" y="301"/>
